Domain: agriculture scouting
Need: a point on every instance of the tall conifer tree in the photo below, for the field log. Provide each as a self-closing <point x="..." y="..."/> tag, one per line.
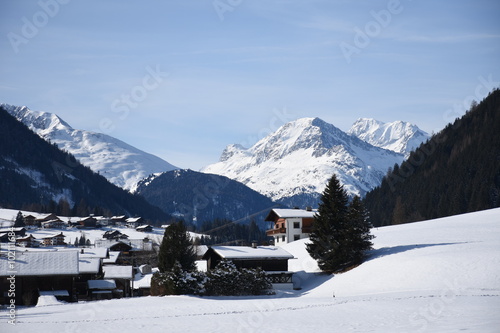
<point x="340" y="232"/>
<point x="176" y="246"/>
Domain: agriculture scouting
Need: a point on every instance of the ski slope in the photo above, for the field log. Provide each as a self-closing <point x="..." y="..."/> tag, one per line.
<point x="434" y="276"/>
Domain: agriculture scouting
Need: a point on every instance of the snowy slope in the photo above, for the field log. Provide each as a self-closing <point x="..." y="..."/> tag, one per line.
<point x="398" y="136"/>
<point x="433" y="276"/>
<point x="298" y="159"/>
<point x="122" y="164"/>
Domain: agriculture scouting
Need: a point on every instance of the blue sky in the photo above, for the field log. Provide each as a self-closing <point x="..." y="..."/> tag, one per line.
<point x="182" y="79"/>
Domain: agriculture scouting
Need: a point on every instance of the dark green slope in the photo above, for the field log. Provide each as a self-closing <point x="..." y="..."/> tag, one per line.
<point x="456" y="171"/>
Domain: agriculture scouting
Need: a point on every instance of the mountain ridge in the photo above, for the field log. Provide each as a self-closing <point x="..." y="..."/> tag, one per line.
<point x="38" y="174"/>
<point x="121" y="163"/>
<point x="293" y="164"/>
<point x="398" y="136"/>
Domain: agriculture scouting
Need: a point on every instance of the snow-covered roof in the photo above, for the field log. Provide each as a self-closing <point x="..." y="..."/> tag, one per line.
<point x="101" y="284"/>
<point x="201" y="250"/>
<point x="143" y="280"/>
<point x="247" y="252"/>
<point x="40" y="263"/>
<point x="53" y="236"/>
<point x="133" y="219"/>
<point x="289" y="213"/>
<point x="145" y="226"/>
<point x="113" y="257"/>
<point x="89" y="265"/>
<point x="96" y="252"/>
<point x="117" y="272"/>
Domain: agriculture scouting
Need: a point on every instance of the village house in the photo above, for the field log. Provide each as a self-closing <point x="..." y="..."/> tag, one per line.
<point x="142" y="280"/>
<point x="30" y="221"/>
<point x="53" y="224"/>
<point x="268" y="258"/>
<point x="87" y="223"/>
<point x="119" y="221"/>
<point x="101" y="289"/>
<point x="55" y="240"/>
<point x="114" y="235"/>
<point x="47" y="217"/>
<point x="27" y="241"/>
<point x="122" y="275"/>
<point x="132" y="251"/>
<point x="145" y="228"/>
<point x="290" y="224"/>
<point x="37" y="272"/>
<point x="134" y="222"/>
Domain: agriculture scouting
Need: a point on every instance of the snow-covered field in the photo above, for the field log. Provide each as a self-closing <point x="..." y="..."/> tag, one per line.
<point x="434" y="276"/>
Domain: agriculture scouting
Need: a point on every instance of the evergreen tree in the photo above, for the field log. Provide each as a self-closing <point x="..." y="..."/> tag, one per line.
<point x="176" y="246"/>
<point x="360" y="238"/>
<point x="82" y="240"/>
<point x="19" y="221"/>
<point x="340" y="232"/>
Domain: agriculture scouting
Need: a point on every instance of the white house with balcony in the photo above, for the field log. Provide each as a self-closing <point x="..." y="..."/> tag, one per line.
<point x="290" y="224"/>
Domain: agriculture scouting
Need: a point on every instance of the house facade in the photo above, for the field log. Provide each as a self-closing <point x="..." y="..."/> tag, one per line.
<point x="290" y="224"/>
<point x="54" y="240"/>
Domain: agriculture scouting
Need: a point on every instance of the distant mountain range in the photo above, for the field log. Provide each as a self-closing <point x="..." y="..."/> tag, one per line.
<point x="120" y="163"/>
<point x="293" y="164"/>
<point x="290" y="166"/>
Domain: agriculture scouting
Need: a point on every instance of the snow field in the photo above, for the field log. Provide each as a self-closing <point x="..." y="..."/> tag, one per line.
<point x="433" y="276"/>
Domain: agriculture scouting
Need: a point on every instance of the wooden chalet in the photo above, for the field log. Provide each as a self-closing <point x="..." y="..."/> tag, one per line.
<point x="114" y="234"/>
<point x="36" y="272"/>
<point x="134" y="222"/>
<point x="87" y="223"/>
<point x="101" y="289"/>
<point x="122" y="275"/>
<point x="268" y="258"/>
<point x="290" y="224"/>
<point x="27" y="241"/>
<point x="55" y="240"/>
<point x="53" y="224"/>
<point x="48" y="217"/>
<point x="118" y="220"/>
<point x="31" y="221"/>
<point x="145" y="228"/>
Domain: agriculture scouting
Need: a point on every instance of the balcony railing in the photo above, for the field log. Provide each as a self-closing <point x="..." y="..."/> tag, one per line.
<point x="276" y="231"/>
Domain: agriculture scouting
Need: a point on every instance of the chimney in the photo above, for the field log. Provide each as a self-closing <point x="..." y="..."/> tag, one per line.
<point x="309" y="208"/>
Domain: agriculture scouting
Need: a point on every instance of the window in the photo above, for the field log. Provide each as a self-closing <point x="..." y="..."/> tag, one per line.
<point x="296" y="225"/>
<point x="283" y="238"/>
<point x="296" y="237"/>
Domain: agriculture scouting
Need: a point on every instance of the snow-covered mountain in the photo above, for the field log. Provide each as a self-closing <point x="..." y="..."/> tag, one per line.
<point x="122" y="164"/>
<point x="398" y="136"/>
<point x="293" y="165"/>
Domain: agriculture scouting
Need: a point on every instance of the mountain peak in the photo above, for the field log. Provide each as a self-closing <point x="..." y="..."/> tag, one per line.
<point x="398" y="136"/>
<point x="122" y="164"/>
<point x="293" y="164"/>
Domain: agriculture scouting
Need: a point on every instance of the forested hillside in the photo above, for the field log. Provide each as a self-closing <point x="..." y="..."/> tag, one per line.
<point x="456" y="171"/>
